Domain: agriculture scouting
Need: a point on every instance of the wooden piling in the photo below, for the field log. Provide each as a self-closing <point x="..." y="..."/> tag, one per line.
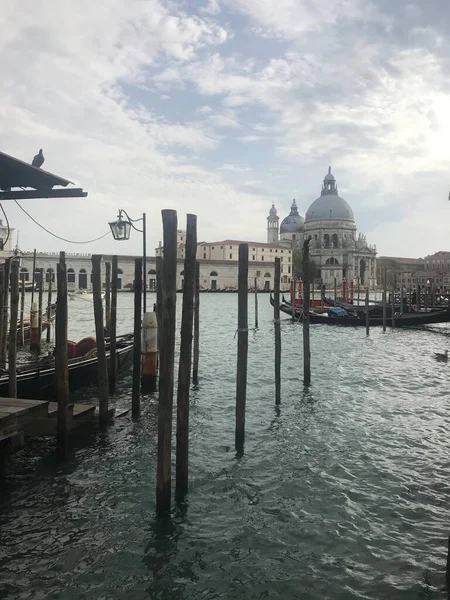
<point x="185" y="364"/>
<point x="418" y="305"/>
<point x="2" y="301"/>
<point x="447" y="569"/>
<point x="159" y="276"/>
<point x="393" y="308"/>
<point x="49" y="309"/>
<point x="306" y="308"/>
<point x="12" y="346"/>
<point x="367" y="311"/>
<point x="33" y="279"/>
<point x="22" y="311"/>
<point x="40" y="305"/>
<point x="256" y="303"/>
<point x="107" y="298"/>
<point x="409" y="298"/>
<point x="293" y="288"/>
<point x="136" y="392"/>
<point x="242" y="348"/>
<point x="384" y="308"/>
<point x="196" y="325"/>
<point x="100" y="336"/>
<point x="335" y="289"/>
<point x="425" y="299"/>
<point x="61" y="358"/>
<point x="357" y="291"/>
<point x="113" y="327"/>
<point x="276" y="321"/>
<point x="166" y="371"/>
<point x="322" y="293"/>
<point x="5" y="311"/>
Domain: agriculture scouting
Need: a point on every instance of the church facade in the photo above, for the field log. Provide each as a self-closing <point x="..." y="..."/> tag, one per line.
<point x="336" y="248"/>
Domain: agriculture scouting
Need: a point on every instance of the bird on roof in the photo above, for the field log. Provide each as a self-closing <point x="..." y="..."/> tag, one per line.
<point x="38" y="160"/>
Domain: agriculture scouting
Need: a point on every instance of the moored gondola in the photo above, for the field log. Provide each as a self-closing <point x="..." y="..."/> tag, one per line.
<point x="37" y="381"/>
<point x="333" y="316"/>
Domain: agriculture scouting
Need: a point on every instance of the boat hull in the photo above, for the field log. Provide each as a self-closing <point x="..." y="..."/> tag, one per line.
<point x="41" y="384"/>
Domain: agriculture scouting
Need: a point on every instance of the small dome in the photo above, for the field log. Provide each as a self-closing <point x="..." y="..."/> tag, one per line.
<point x="329" y="176"/>
<point x="293" y="223"/>
<point x="273" y="211"/>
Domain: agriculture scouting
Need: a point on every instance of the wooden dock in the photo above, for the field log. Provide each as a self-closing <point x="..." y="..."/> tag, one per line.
<point x="21" y="419"/>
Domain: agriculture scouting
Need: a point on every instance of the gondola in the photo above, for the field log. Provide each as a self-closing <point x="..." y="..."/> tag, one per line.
<point x="37" y="381"/>
<point x="358" y="319"/>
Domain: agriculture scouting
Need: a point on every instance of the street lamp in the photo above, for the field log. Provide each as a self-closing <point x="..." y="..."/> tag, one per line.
<point x="121" y="230"/>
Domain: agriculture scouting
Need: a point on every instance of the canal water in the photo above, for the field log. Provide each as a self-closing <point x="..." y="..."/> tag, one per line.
<point x="343" y="491"/>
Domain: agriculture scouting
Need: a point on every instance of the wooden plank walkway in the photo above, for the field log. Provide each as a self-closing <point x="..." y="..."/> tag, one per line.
<point x="21" y="419"/>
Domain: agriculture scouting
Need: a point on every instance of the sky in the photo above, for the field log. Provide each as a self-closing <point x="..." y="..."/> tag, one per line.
<point x="221" y="107"/>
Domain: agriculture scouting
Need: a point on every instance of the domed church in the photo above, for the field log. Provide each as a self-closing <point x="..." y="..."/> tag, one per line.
<point x="336" y="248"/>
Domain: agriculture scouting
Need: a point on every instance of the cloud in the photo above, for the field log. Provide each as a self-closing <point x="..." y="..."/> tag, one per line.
<point x="280" y="87"/>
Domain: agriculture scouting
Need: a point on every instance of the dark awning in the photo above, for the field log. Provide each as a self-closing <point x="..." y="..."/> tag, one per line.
<point x="16" y="173"/>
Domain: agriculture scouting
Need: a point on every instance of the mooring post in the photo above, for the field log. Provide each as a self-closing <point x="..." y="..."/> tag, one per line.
<point x="166" y="371"/>
<point x="276" y="321"/>
<point x="34" y="329"/>
<point x="107" y="298"/>
<point x="393" y="307"/>
<point x="418" y="304"/>
<point x="159" y="276"/>
<point x="409" y="298"/>
<point x="2" y="300"/>
<point x="40" y="305"/>
<point x="367" y="311"/>
<point x="100" y="336"/>
<point x="49" y="308"/>
<point x="425" y="299"/>
<point x="33" y="280"/>
<point x="401" y="298"/>
<point x="61" y="358"/>
<point x="384" y="307"/>
<point x="22" y="311"/>
<point x="293" y="288"/>
<point x="5" y="311"/>
<point x="306" y="309"/>
<point x="196" y="325"/>
<point x="357" y="290"/>
<point x="185" y="364"/>
<point x="150" y="333"/>
<point x="113" y="327"/>
<point x="322" y="293"/>
<point x="136" y="392"/>
<point x="335" y="290"/>
<point x="12" y="346"/>
<point x="256" y="303"/>
<point x="242" y="348"/>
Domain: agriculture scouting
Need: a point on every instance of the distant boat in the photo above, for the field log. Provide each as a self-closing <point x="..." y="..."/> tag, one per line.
<point x="83" y="295"/>
<point x="334" y="316"/>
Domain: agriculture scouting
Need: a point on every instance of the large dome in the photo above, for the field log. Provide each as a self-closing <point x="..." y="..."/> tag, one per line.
<point x="330" y="205"/>
<point x="294" y="222"/>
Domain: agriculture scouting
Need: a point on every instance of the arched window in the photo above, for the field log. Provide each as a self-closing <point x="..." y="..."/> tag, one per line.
<point x="334" y="240"/>
<point x="71" y="275"/>
<point x="182" y="273"/>
<point x="152" y="272"/>
<point x="50" y="275"/>
<point x="212" y="274"/>
<point x="82" y="279"/>
<point x="266" y="274"/>
<point x="326" y="241"/>
<point x="24" y="274"/>
<point x="332" y="261"/>
<point x="119" y="272"/>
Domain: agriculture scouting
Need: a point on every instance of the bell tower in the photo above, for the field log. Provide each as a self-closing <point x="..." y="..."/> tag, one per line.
<point x="272" y="225"/>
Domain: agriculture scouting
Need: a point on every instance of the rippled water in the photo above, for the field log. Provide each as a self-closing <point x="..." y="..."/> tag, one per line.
<point x="343" y="491"/>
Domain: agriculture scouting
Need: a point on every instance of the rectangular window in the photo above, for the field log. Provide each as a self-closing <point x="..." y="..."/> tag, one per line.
<point x="231" y="247"/>
<point x="281" y="251"/>
<point x="231" y="256"/>
<point x="271" y="249"/>
<point x="258" y="273"/>
<point x="262" y="250"/>
<point x="221" y="247"/>
<point x="276" y="250"/>
<point x="262" y="257"/>
<point x="289" y="269"/>
<point x="204" y="255"/>
<point x="253" y="249"/>
<point x="253" y="257"/>
<point x="212" y="247"/>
